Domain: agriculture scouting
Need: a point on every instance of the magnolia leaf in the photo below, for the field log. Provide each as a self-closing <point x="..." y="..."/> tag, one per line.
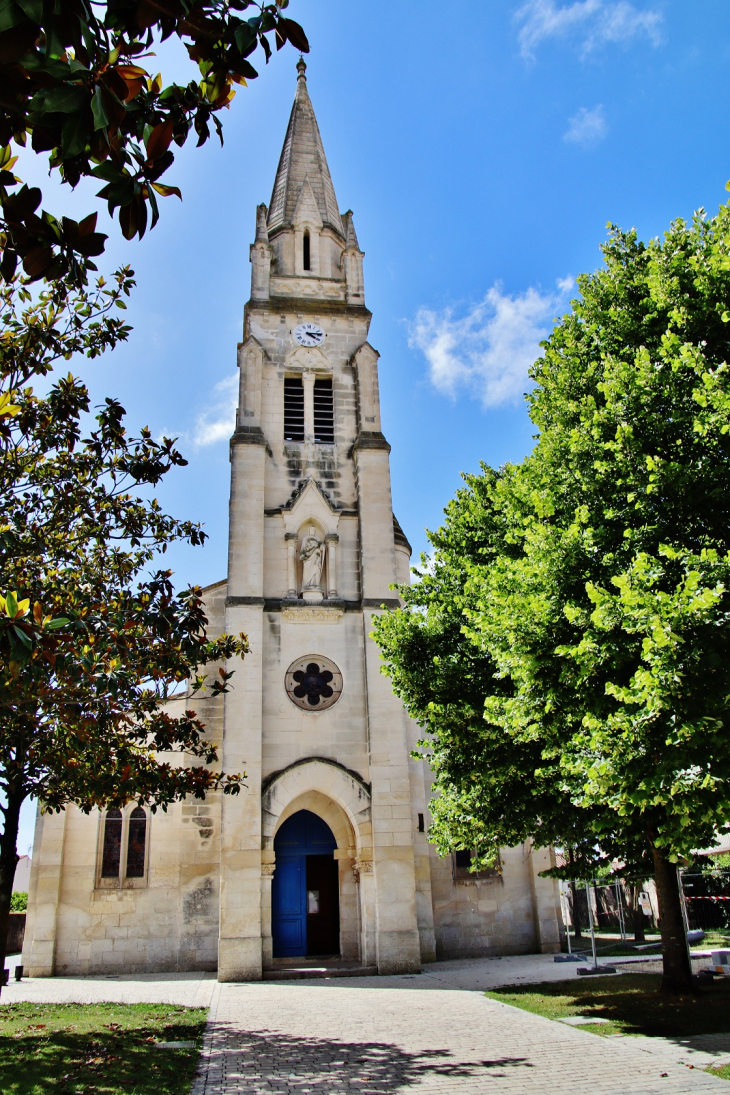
<point x="167" y="191"/>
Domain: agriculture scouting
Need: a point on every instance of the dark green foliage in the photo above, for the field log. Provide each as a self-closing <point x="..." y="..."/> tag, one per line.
<point x="93" y="637"/>
<point x="569" y="647"/>
<point x="73" y="81"/>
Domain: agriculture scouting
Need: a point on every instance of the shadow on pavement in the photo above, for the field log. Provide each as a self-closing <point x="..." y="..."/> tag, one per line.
<point x="265" y="1059"/>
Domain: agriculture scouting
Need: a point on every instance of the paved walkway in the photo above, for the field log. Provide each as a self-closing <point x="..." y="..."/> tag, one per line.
<point x="433" y="1032"/>
<point x="316" y="1038"/>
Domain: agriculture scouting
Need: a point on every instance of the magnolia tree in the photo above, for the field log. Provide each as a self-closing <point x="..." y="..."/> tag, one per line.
<point x="568" y="648"/>
<point x="76" y="86"/>
<point x="93" y="639"/>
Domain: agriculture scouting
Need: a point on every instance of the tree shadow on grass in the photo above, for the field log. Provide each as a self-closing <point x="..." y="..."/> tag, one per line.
<point x="268" y="1059"/>
<point x="98" y="1062"/>
<point x="636" y="1004"/>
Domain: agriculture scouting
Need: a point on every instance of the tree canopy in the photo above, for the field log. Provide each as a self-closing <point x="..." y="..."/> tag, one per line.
<point x="74" y="82"/>
<point x="568" y="647"/>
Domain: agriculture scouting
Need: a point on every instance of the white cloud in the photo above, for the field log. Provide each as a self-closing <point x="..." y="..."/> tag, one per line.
<point x="217" y="421"/>
<point x="489" y="350"/>
<point x="587" y="127"/>
<point x="593" y="22"/>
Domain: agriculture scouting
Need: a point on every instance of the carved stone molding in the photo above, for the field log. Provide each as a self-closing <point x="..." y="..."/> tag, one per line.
<point x="267" y="870"/>
<point x="313" y="614"/>
<point x="361" y="867"/>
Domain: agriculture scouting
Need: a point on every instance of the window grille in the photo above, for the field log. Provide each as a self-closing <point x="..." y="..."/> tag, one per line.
<point x="307" y="264"/>
<point x="324" y="413"/>
<point x="293" y="409"/>
<point x="136" y="843"/>
<point x="111" y="856"/>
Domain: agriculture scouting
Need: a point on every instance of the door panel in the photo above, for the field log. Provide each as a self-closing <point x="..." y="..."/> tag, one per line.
<point x="288" y="926"/>
<point x="304" y="837"/>
<point x="323" y="905"/>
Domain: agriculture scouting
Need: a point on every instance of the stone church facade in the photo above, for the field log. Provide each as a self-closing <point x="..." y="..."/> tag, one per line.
<point x="325" y="851"/>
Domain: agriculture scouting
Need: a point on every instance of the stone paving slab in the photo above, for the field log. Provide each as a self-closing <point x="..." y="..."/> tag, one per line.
<point x="318" y="1038"/>
<point x="699" y="1050"/>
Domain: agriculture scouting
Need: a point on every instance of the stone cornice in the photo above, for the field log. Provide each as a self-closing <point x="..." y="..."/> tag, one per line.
<point x="277" y="604"/>
<point x="308" y="306"/>
<point x="367" y="439"/>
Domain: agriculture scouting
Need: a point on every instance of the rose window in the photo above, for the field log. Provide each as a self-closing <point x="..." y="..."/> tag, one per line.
<point x="313" y="683"/>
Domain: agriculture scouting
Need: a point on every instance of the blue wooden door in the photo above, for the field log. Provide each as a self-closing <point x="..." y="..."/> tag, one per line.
<point x="301" y="835"/>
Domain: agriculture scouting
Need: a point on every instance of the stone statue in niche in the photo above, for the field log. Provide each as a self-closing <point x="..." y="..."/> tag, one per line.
<point x="311" y="555"/>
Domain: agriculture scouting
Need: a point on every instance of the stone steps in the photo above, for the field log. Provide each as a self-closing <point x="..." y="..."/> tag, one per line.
<point x="300" y="972"/>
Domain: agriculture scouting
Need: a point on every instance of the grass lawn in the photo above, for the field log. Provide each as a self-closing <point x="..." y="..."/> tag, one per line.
<point x="97" y="1049"/>
<point x="632" y="1003"/>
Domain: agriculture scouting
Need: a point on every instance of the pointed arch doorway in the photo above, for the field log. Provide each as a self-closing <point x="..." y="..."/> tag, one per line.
<point x="305" y="905"/>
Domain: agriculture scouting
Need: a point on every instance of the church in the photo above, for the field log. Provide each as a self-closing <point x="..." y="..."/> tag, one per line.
<point x="325" y="852"/>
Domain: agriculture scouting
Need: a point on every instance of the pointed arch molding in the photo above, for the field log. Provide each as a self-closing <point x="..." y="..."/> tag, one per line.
<point x="310" y="504"/>
<point x="317" y="775"/>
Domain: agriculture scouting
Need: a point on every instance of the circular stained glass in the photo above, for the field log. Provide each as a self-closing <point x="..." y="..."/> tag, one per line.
<point x="313" y="683"/>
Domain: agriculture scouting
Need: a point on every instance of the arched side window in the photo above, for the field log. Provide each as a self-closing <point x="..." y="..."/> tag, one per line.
<point x="123" y="852"/>
<point x="306" y="252"/>
<point x="112" y="851"/>
<point x="136" y="843"/>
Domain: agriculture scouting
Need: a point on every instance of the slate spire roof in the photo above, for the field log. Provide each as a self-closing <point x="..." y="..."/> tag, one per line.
<point x="303" y="159"/>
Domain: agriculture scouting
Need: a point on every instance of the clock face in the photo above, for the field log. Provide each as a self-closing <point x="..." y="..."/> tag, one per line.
<point x="309" y="334"/>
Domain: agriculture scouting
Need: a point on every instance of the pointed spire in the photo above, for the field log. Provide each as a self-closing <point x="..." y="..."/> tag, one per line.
<point x="303" y="159"/>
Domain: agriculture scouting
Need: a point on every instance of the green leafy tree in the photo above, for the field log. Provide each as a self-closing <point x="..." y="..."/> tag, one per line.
<point x="589" y="587"/>
<point x="93" y="639"/>
<point x="18" y="901"/>
<point x="73" y="82"/>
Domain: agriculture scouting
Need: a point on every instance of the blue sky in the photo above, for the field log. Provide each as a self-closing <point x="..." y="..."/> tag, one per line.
<point x="483" y="149"/>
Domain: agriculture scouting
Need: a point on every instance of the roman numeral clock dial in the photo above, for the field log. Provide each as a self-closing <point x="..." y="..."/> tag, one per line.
<point x="309" y="334"/>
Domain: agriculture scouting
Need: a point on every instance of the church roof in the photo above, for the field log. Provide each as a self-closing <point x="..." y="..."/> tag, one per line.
<point x="303" y="160"/>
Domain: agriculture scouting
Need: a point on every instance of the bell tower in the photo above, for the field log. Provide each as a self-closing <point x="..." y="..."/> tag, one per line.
<point x="324" y="854"/>
<point x="314" y="549"/>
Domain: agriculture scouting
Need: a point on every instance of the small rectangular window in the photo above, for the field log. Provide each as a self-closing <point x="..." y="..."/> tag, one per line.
<point x="461" y="861"/>
<point x="293" y="409"/>
<point x="324" y="413"/>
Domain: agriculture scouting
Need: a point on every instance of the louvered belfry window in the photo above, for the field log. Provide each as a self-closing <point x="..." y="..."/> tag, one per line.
<point x="293" y="409"/>
<point x="324" y="413"/>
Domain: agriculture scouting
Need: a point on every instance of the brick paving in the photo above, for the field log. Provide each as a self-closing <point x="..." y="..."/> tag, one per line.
<point x="340" y="1036"/>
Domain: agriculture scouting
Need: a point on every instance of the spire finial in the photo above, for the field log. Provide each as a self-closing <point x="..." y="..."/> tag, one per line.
<point x="301" y="69"/>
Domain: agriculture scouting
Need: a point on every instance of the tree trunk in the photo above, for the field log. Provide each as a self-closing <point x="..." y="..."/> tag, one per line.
<point x="637" y="913"/>
<point x="8" y="863"/>
<point x="675" y="955"/>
